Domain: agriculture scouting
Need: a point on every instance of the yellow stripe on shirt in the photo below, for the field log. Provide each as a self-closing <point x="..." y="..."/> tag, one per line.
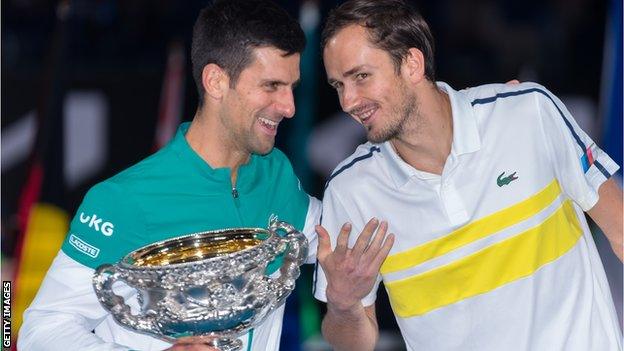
<point x="504" y="262"/>
<point x="474" y="231"/>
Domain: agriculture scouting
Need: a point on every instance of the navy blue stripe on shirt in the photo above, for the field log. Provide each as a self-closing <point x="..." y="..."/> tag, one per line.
<point x="602" y="169"/>
<point x="316" y="264"/>
<point x="565" y="120"/>
<point x="372" y="150"/>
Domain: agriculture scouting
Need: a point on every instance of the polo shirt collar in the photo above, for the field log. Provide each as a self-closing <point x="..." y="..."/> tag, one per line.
<point x="400" y="171"/>
<point x="466" y="139"/>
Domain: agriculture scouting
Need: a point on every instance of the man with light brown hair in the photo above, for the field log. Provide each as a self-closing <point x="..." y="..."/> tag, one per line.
<point x="484" y="190"/>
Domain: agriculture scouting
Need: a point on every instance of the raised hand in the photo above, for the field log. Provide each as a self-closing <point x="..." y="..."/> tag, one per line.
<point x="351" y="272"/>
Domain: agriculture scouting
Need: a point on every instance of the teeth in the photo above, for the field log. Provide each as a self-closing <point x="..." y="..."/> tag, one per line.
<point x="268" y="122"/>
<point x="364" y="116"/>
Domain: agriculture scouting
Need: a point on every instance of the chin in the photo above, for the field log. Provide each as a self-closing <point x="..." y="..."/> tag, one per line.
<point x="263" y="150"/>
<point x="377" y="138"/>
<point x="381" y="135"/>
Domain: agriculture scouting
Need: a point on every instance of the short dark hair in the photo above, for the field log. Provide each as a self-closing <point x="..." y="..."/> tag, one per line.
<point x="227" y="31"/>
<point x="393" y="25"/>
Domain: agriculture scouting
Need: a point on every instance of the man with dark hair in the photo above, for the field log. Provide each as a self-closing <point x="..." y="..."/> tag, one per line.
<point x="219" y="171"/>
<point x="484" y="190"/>
<point x="226" y="34"/>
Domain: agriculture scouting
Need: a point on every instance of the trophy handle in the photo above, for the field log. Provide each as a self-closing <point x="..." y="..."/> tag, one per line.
<point x="297" y="246"/>
<point x="105" y="276"/>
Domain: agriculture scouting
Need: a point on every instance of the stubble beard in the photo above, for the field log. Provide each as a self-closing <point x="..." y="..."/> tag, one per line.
<point x="259" y="147"/>
<point x="252" y="143"/>
<point x="394" y="128"/>
<point x="259" y="144"/>
<point x="246" y="138"/>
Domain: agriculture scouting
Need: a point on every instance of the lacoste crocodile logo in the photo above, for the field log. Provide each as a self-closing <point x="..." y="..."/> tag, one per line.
<point x="500" y="181"/>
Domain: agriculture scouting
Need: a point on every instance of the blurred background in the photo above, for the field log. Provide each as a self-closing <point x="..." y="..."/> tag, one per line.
<point x="89" y="87"/>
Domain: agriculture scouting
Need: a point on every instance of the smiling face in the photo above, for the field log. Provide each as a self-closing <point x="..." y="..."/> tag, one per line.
<point x="368" y="86"/>
<point x="260" y="100"/>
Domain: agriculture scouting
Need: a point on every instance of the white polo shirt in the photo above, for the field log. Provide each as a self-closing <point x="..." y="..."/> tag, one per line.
<point x="494" y="254"/>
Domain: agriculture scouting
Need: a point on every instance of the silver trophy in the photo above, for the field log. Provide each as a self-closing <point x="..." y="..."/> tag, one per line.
<point x="205" y="284"/>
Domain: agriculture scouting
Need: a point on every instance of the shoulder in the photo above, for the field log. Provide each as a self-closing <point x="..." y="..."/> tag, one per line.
<point x="120" y="190"/>
<point x="151" y="172"/>
<point x="510" y="106"/>
<point x="162" y="162"/>
<point x="106" y="226"/>
<point x="106" y="192"/>
<point x="360" y="161"/>
<point x="496" y="93"/>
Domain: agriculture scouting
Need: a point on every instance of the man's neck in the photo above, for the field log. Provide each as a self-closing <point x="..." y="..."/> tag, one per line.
<point x="426" y="143"/>
<point x="205" y="136"/>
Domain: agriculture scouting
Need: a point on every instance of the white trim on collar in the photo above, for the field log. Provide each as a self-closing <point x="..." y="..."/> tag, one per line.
<point x="464" y="121"/>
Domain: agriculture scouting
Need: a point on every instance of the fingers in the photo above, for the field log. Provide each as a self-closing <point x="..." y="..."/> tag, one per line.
<point x="324" y="244"/>
<point x="513" y="82"/>
<point x="343" y="239"/>
<point x="197" y="339"/>
<point x="383" y="252"/>
<point x="194" y="343"/>
<point x="362" y="249"/>
<point x="192" y="347"/>
<point x="364" y="238"/>
<point x="375" y="244"/>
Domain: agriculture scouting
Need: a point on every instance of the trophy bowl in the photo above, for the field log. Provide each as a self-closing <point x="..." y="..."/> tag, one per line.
<point x="209" y="284"/>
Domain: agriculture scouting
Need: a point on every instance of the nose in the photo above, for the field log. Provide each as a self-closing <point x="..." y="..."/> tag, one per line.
<point x="348" y="98"/>
<point x="286" y="103"/>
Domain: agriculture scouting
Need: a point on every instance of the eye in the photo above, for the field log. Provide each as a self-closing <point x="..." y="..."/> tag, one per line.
<point x="272" y="86"/>
<point x="336" y="85"/>
<point x="361" y="76"/>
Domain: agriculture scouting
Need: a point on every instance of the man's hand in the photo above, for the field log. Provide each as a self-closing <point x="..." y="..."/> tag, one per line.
<point x="191" y="347"/>
<point x="351" y="273"/>
<point x="193" y="343"/>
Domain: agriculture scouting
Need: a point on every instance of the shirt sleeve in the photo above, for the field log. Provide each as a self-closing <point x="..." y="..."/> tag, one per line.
<point x="107" y="225"/>
<point x="579" y="164"/>
<point x="333" y="216"/>
<point x="65" y="311"/>
<point x="313" y="218"/>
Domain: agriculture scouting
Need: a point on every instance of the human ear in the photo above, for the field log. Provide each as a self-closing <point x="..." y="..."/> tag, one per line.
<point x="413" y="65"/>
<point x="215" y="81"/>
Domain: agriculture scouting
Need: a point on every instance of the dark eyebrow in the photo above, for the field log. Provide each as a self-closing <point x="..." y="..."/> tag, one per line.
<point x="353" y="71"/>
<point x="280" y="82"/>
<point x="346" y="74"/>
